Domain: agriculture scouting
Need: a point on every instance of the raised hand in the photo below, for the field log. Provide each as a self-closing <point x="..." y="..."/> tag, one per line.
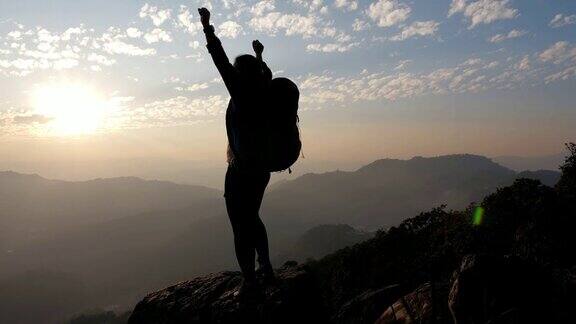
<point x="204" y="16"/>
<point x="258" y="47"/>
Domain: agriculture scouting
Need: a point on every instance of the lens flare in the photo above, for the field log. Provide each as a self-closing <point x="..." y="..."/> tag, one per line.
<point x="478" y="216"/>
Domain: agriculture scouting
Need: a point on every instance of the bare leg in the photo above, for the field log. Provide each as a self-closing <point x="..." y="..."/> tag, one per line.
<point x="262" y="244"/>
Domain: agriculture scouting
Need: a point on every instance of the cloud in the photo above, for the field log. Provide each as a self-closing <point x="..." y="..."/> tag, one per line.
<point x="514" y="33"/>
<point x="40" y="49"/>
<point x="360" y="25"/>
<point x="560" y="21"/>
<point x="70" y="32"/>
<point x="523" y="64"/>
<point x="558" y="53"/>
<point x="100" y="59"/>
<point x="262" y="7"/>
<point x="156" y="35"/>
<point x="157" y="16"/>
<point x="133" y="32"/>
<point x="31" y="119"/>
<point x="348" y="5"/>
<point x="472" y="75"/>
<point x="119" y="47"/>
<point x="312" y="5"/>
<point x="402" y="65"/>
<point x="24" y="67"/>
<point x="230" y="29"/>
<point x="185" y="20"/>
<point x="194" y="87"/>
<point x="456" y="6"/>
<point x="14" y="35"/>
<point x="179" y="110"/>
<point x="387" y="13"/>
<point x="483" y="11"/>
<point x="330" y="47"/>
<point x="418" y="28"/>
<point x="291" y="24"/>
<point x="568" y="73"/>
<point x="18" y="121"/>
<point x="46" y="36"/>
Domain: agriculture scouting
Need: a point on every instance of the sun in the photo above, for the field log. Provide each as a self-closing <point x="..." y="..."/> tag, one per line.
<point x="72" y="108"/>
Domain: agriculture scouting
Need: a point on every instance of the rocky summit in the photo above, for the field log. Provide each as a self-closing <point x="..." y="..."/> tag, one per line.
<point x="214" y="299"/>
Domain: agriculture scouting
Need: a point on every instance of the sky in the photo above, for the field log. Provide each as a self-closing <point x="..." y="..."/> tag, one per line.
<point x="85" y="83"/>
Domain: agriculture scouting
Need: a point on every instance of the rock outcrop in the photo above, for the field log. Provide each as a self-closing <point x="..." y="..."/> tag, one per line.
<point x="213" y="299"/>
<point x="367" y="307"/>
<point x="426" y="304"/>
<point x="415" y="307"/>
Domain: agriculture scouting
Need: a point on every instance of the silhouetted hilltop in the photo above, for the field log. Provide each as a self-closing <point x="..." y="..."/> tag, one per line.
<point x="387" y="191"/>
<point x="456" y="163"/>
<point x="547" y="177"/>
<point x="508" y="259"/>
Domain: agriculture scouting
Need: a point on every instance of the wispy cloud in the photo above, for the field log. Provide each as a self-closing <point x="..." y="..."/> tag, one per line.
<point x="472" y="75"/>
<point x="117" y="46"/>
<point x="178" y="110"/>
<point x="558" y="53"/>
<point x="157" y="35"/>
<point x="158" y="16"/>
<point x="290" y="24"/>
<point x="483" y="11"/>
<point x="230" y="29"/>
<point x="330" y="47"/>
<point x="348" y="5"/>
<point x="418" y="28"/>
<point x="360" y="25"/>
<point x="514" y="33"/>
<point x="386" y="13"/>
<point x="560" y="20"/>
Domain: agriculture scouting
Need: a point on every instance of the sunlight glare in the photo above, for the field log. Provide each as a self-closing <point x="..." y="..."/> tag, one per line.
<point x="74" y="109"/>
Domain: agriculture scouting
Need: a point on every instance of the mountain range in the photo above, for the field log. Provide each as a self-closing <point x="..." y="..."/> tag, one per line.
<point x="119" y="238"/>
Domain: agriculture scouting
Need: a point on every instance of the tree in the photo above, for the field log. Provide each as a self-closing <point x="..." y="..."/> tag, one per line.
<point x="567" y="183"/>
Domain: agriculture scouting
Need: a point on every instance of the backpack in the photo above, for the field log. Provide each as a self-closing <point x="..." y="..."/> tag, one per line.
<point x="283" y="136"/>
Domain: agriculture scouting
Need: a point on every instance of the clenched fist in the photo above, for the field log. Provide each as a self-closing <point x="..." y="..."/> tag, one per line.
<point x="204" y="16"/>
<point x="258" y="47"/>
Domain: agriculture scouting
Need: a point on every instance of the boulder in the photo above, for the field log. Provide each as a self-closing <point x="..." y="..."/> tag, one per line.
<point x="213" y="299"/>
<point x="366" y="307"/>
<point x="426" y="304"/>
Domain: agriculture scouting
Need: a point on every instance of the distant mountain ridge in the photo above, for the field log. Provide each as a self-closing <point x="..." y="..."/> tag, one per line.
<point x="388" y="190"/>
<point x="31" y="206"/>
<point x="531" y="163"/>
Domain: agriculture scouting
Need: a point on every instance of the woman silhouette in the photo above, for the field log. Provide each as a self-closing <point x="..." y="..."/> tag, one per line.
<point x="247" y="82"/>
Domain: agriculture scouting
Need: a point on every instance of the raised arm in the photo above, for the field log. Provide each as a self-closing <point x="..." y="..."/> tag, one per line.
<point x="259" y="49"/>
<point x="226" y="70"/>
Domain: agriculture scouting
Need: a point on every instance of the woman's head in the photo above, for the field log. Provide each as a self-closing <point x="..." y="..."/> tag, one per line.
<point x="248" y="66"/>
